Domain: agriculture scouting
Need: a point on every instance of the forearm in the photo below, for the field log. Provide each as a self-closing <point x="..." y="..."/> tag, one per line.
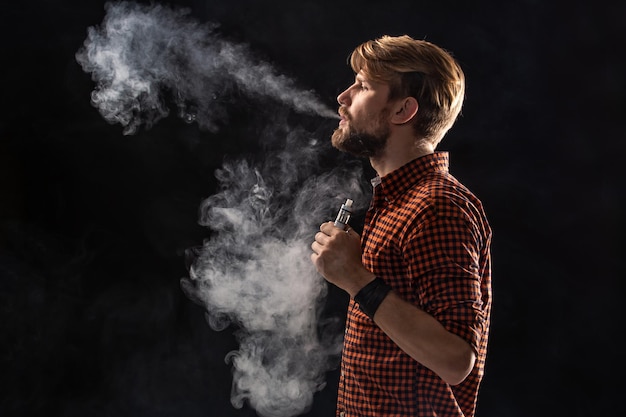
<point x="423" y="338"/>
<point x="337" y="256"/>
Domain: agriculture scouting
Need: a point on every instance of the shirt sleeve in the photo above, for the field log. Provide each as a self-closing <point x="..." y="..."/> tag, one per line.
<point x="443" y="258"/>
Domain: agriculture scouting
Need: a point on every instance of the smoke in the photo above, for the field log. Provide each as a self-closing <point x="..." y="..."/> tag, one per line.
<point x="254" y="272"/>
<point x="144" y="56"/>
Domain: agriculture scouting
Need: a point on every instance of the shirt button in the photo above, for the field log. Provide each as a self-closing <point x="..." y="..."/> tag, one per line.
<point x="342" y="414"/>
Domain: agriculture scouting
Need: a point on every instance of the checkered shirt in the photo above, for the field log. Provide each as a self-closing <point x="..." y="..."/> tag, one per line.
<point x="427" y="236"/>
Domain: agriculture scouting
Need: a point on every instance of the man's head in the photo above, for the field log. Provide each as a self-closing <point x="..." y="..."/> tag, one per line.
<point x="418" y="69"/>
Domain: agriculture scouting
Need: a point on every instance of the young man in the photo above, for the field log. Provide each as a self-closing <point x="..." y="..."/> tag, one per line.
<point x="419" y="278"/>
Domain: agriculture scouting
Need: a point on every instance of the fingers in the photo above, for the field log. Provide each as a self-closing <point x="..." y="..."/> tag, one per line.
<point x="316" y="247"/>
<point x="320" y="242"/>
<point x="321" y="238"/>
<point x="333" y="248"/>
<point x="330" y="229"/>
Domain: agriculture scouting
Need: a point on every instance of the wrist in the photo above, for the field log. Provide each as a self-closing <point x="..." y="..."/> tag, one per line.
<point x="359" y="282"/>
<point x="371" y="296"/>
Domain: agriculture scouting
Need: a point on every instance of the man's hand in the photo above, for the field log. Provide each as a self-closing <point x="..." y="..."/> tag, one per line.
<point x="337" y="256"/>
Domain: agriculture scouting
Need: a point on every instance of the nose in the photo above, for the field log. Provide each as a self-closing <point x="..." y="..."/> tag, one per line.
<point x="344" y="97"/>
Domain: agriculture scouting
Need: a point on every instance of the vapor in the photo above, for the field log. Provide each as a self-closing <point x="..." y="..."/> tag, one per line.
<point x="253" y="274"/>
<point x="143" y="57"/>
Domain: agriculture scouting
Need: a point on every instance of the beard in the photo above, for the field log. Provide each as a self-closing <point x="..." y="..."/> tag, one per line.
<point x="363" y="141"/>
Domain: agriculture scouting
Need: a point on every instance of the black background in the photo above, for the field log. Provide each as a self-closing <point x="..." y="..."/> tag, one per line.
<point x="94" y="224"/>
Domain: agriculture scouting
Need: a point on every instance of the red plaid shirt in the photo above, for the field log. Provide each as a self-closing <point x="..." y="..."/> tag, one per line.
<point x="427" y="236"/>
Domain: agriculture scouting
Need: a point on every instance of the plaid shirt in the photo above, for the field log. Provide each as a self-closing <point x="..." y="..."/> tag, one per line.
<point x="427" y="236"/>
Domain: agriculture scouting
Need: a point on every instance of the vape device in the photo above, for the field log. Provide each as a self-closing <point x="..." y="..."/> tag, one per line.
<point x="343" y="216"/>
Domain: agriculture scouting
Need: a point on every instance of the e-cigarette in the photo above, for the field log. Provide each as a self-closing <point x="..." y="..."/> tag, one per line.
<point x="343" y="216"/>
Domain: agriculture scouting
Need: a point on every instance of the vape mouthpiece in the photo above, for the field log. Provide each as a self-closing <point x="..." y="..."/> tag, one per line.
<point x="343" y="216"/>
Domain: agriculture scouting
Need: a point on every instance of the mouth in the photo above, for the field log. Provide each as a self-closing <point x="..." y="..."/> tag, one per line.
<point x="343" y="117"/>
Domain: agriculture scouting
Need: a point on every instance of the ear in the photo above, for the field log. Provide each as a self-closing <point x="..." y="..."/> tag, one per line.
<point x="404" y="111"/>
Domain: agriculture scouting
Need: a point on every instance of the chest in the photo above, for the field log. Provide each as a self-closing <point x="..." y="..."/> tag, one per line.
<point x="384" y="240"/>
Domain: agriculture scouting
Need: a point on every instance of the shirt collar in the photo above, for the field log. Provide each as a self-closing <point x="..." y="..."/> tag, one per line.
<point x="392" y="185"/>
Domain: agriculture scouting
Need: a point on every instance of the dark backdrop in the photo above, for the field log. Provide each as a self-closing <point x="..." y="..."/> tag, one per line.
<point x="94" y="224"/>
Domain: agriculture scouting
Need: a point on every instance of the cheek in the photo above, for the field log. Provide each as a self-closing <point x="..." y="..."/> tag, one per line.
<point x="359" y="114"/>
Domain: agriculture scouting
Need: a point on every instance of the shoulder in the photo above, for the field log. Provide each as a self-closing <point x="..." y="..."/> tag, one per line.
<point x="449" y="196"/>
<point x="441" y="197"/>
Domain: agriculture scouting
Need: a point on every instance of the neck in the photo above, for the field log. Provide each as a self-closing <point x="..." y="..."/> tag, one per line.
<point x="394" y="157"/>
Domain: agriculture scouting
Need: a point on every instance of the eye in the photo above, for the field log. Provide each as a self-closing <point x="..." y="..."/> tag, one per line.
<point x="363" y="87"/>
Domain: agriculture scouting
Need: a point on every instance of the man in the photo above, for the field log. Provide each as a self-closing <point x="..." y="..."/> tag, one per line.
<point x="420" y="277"/>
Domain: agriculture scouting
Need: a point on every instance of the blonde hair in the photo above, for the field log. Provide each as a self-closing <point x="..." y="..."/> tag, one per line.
<point x="419" y="69"/>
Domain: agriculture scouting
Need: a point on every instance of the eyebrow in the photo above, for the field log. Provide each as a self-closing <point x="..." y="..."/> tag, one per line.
<point x="361" y="78"/>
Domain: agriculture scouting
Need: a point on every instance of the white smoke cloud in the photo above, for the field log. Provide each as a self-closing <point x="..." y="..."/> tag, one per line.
<point x="254" y="272"/>
<point x="141" y="56"/>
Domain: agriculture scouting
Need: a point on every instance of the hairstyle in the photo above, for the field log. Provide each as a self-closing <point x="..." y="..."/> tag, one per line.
<point x="419" y="69"/>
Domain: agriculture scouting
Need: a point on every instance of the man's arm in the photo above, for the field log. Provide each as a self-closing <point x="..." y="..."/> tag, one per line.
<point x="337" y="256"/>
<point x="423" y="338"/>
